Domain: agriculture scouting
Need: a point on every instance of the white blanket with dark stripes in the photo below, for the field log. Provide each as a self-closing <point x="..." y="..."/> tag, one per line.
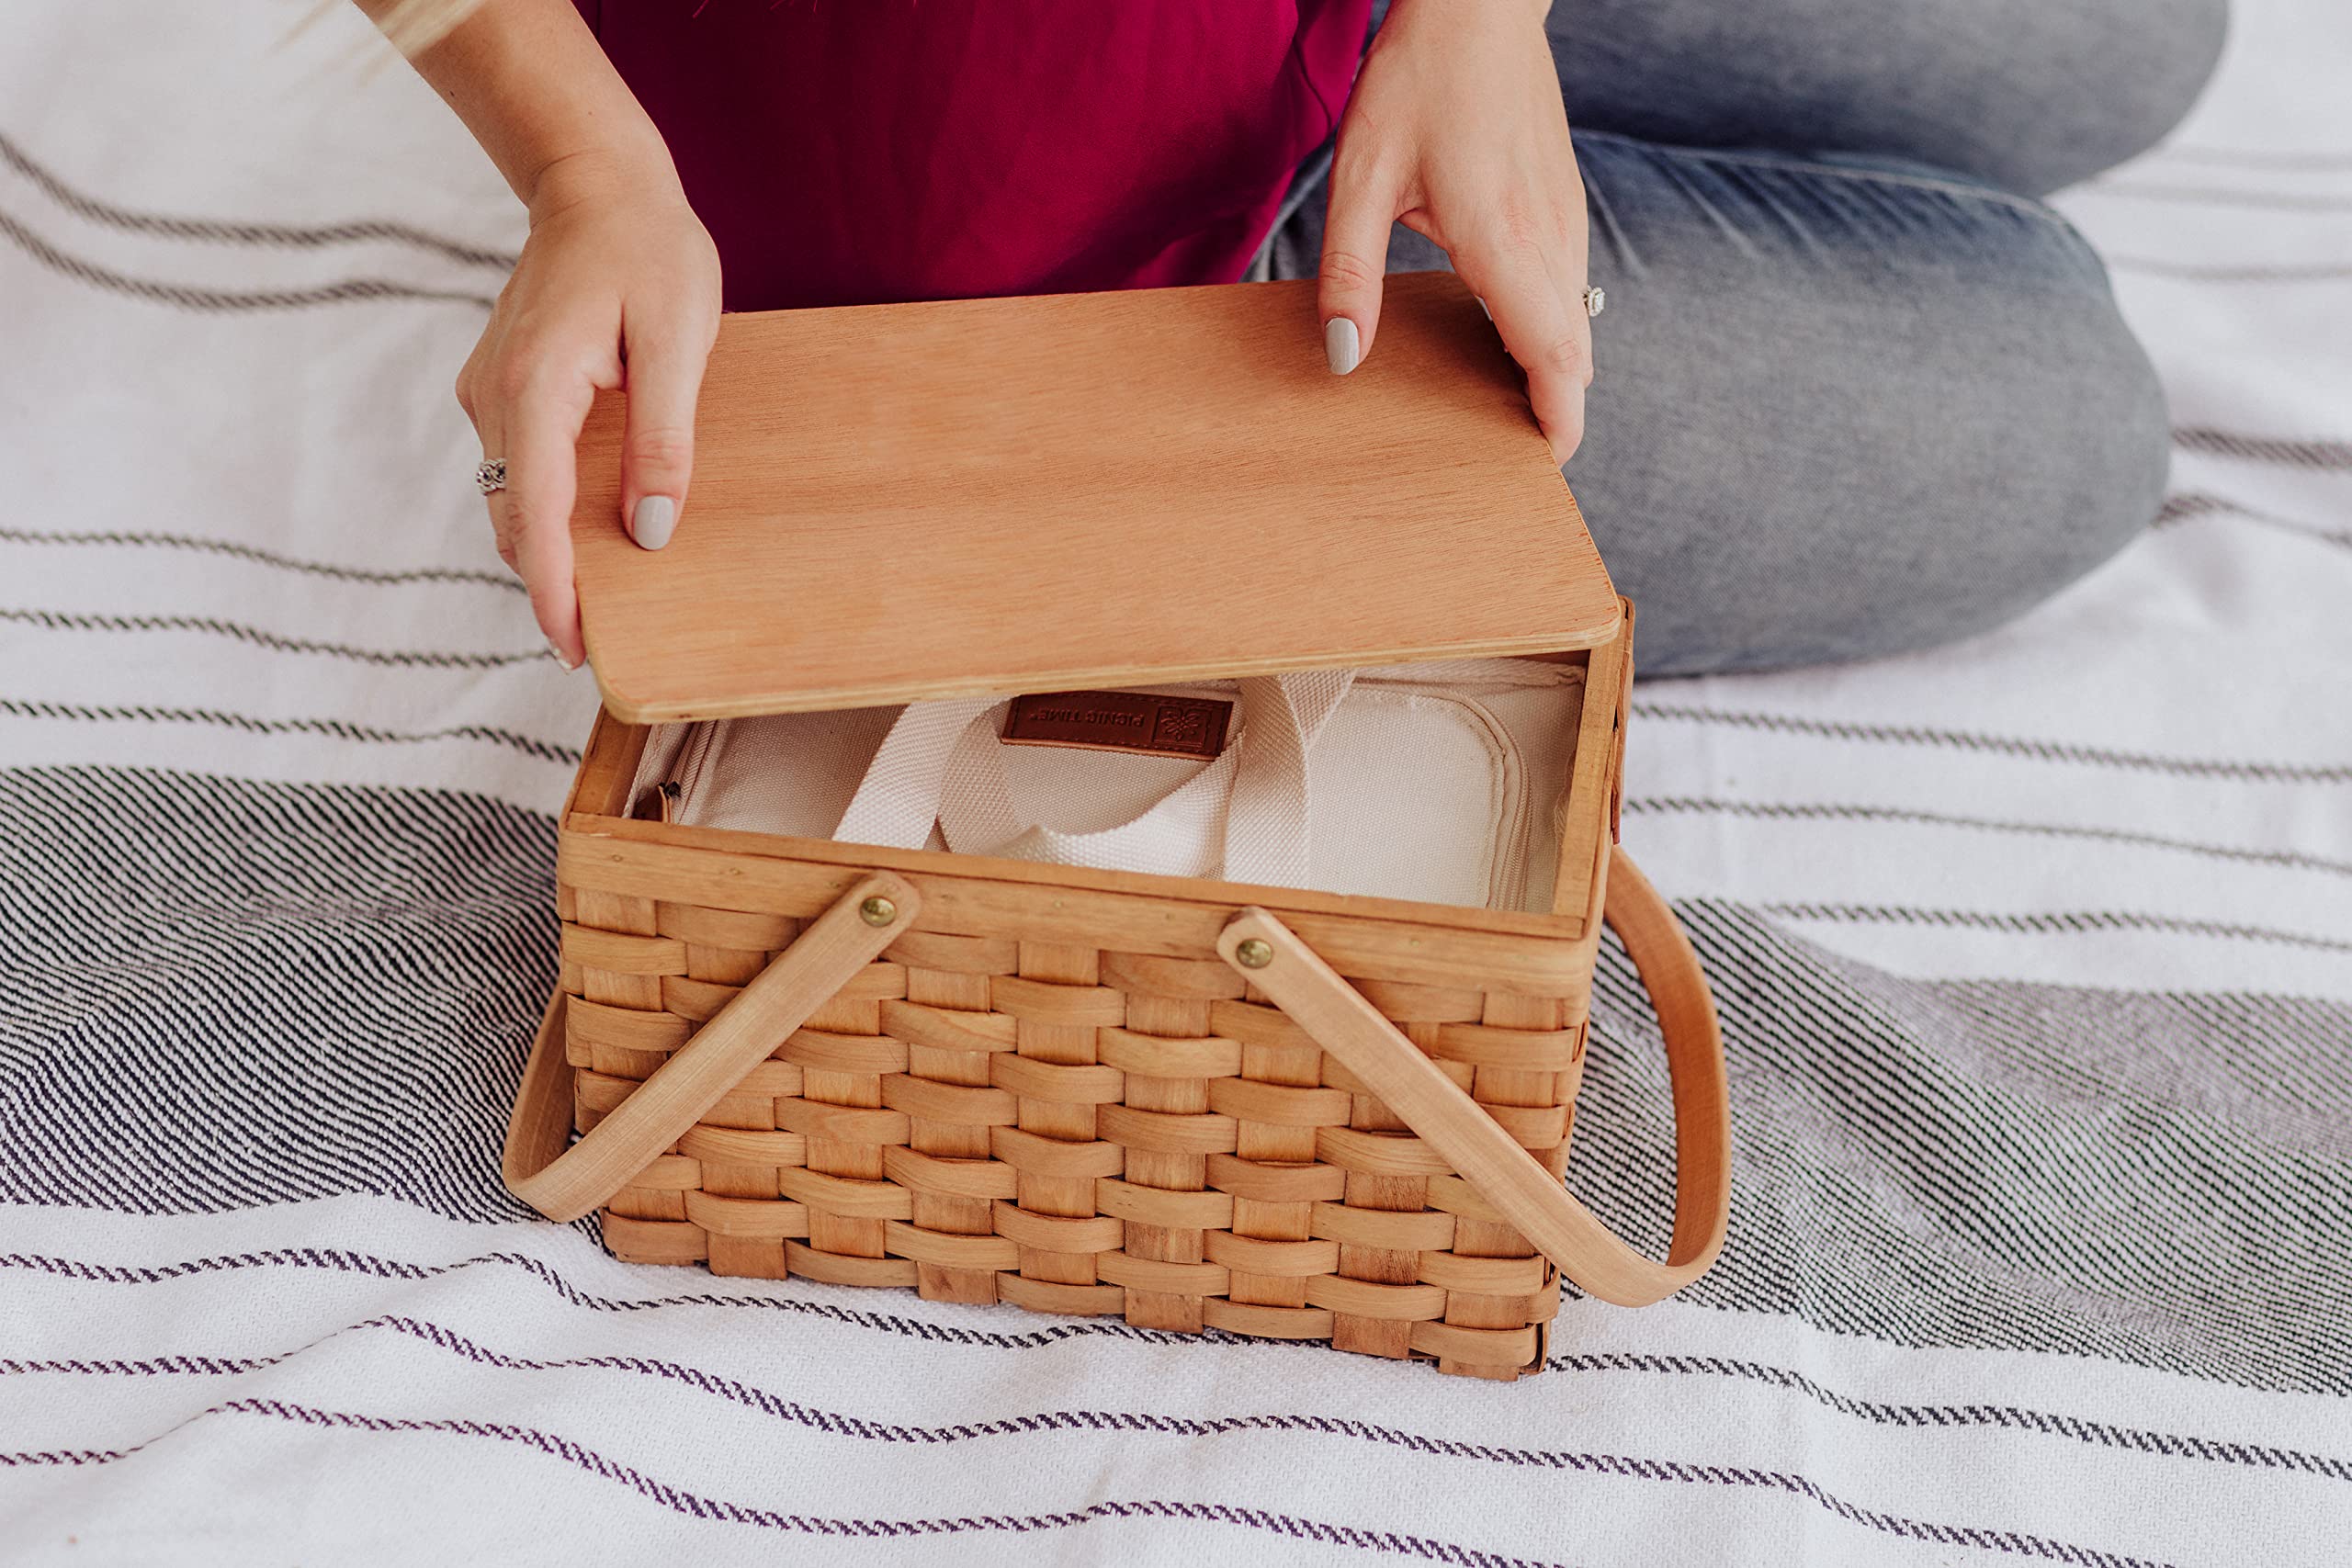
<point x="2035" y="956"/>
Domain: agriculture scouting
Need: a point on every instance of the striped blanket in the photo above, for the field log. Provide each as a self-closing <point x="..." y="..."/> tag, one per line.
<point x="2034" y="957"/>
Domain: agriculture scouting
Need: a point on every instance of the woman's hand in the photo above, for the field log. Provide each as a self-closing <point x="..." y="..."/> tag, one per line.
<point x="617" y="286"/>
<point x="1455" y="128"/>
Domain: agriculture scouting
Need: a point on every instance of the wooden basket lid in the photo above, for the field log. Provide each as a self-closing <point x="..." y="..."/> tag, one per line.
<point x="901" y="501"/>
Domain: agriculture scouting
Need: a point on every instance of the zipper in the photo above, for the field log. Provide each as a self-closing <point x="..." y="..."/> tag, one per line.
<point x="1506" y="879"/>
<point x="1507" y="883"/>
<point x="682" y="791"/>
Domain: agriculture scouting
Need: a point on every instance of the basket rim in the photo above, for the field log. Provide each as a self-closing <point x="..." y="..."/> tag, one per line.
<point x="1153" y="916"/>
<point x="1440" y="920"/>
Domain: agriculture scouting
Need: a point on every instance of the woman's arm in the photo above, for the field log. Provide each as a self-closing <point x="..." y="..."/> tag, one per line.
<point x="1455" y="128"/>
<point x="617" y="285"/>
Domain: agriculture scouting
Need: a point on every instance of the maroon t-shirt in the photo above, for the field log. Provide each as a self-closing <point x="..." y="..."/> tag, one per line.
<point x="850" y="152"/>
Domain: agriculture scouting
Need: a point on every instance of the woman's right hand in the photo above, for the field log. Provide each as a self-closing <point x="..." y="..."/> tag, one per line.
<point x="617" y="286"/>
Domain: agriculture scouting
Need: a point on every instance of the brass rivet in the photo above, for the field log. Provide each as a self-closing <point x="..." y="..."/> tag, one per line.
<point x="878" y="911"/>
<point x="1253" y="952"/>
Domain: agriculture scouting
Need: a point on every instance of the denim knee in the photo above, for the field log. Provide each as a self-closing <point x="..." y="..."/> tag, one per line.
<point x="2138" y="76"/>
<point x="2074" y="473"/>
<point x="2071" y="447"/>
<point x="2025" y="94"/>
<point x="1799" y="453"/>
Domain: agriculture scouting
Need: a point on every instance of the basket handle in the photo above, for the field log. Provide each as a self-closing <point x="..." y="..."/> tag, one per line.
<point x="565" y="1183"/>
<point x="1350" y="1028"/>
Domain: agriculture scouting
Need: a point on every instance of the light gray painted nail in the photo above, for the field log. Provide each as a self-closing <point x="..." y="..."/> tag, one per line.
<point x="655" y="521"/>
<point x="560" y="657"/>
<point x="1342" y="346"/>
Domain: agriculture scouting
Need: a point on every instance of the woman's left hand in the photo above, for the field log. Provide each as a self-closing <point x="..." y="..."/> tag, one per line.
<point x="1455" y="130"/>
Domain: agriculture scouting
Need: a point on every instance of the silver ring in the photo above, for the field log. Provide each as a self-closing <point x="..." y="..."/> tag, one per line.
<point x="489" y="475"/>
<point x="1595" y="302"/>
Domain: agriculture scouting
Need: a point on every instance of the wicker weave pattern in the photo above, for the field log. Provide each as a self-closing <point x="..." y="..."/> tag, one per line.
<point x="1074" y="1130"/>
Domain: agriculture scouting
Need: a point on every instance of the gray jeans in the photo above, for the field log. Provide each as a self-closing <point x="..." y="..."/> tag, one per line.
<point x="1859" y="392"/>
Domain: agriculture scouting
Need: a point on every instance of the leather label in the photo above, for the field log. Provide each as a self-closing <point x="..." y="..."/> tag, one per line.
<point x="1121" y="721"/>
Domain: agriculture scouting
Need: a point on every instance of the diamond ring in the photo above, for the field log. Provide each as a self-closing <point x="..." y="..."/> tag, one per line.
<point x="1595" y="302"/>
<point x="491" y="475"/>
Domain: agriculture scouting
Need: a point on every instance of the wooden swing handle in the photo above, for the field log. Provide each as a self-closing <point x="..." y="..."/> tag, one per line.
<point x="565" y="1183"/>
<point x="1338" y="1018"/>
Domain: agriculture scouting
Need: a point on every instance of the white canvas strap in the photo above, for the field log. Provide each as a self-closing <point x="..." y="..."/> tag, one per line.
<point x="898" y="800"/>
<point x="1180" y="835"/>
<point x="1266" y="825"/>
<point x="1243" y="817"/>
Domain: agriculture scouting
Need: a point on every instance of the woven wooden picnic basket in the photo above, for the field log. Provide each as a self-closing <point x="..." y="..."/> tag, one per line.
<point x="1195" y="1104"/>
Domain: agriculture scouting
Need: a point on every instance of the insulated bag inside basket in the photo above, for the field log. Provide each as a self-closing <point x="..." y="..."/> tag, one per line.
<point x="1441" y="783"/>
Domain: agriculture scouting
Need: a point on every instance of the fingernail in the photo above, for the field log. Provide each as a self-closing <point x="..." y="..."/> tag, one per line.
<point x="1342" y="346"/>
<point x="561" y="657"/>
<point x="655" y="520"/>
